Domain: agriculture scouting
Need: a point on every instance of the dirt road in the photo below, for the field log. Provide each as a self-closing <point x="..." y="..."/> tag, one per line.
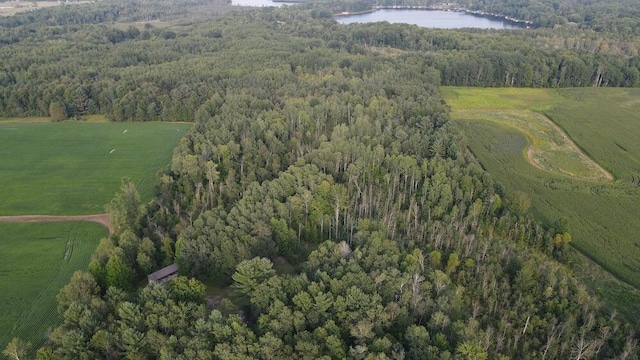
<point x="102" y="219"/>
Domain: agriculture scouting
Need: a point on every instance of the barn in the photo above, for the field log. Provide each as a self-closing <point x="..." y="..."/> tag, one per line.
<point x="163" y="275"/>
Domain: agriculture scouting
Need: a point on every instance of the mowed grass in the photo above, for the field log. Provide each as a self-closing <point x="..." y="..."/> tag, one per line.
<point x="36" y="261"/>
<point x="603" y="215"/>
<point x="72" y="168"/>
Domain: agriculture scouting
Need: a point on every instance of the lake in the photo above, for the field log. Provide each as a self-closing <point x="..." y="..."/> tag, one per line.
<point x="258" y="3"/>
<point x="430" y="19"/>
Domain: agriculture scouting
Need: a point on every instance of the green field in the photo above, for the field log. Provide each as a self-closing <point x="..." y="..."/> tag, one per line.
<point x="36" y="260"/>
<point x="604" y="124"/>
<point x="62" y="169"/>
<point x="76" y="167"/>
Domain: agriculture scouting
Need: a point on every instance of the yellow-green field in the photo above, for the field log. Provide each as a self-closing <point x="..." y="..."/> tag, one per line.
<point x="575" y="153"/>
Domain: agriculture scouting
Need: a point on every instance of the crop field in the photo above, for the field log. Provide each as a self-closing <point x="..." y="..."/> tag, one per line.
<point x="606" y="124"/>
<point x="594" y="183"/>
<point x="36" y="261"/>
<point x="72" y="168"/>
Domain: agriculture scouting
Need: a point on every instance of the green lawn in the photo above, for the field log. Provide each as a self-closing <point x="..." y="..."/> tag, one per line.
<point x="73" y="168"/>
<point x="603" y="215"/>
<point x="36" y="260"/>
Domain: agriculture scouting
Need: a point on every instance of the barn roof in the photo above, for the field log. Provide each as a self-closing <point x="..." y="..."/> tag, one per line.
<point x="164" y="272"/>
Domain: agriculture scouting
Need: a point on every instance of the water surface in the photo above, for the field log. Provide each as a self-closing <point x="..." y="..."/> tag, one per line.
<point x="258" y="3"/>
<point x="430" y="19"/>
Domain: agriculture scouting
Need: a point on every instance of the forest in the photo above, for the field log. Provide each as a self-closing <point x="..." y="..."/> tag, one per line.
<point x="143" y="73"/>
<point x="313" y="144"/>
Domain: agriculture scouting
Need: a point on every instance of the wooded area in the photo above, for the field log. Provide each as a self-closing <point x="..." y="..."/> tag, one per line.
<point x="144" y="73"/>
<point x="312" y="144"/>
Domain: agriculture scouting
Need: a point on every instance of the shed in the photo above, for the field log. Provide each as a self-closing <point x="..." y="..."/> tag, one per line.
<point x="163" y="275"/>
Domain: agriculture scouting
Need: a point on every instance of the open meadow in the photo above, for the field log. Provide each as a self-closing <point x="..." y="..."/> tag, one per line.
<point x="74" y="168"/>
<point x="583" y="166"/>
<point x="36" y="260"/>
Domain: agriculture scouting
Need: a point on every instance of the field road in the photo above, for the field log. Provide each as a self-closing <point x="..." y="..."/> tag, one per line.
<point x="102" y="219"/>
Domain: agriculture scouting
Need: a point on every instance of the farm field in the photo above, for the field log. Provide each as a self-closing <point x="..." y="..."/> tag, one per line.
<point x="604" y="125"/>
<point x="72" y="168"/>
<point x="10" y="8"/>
<point x="36" y="260"/>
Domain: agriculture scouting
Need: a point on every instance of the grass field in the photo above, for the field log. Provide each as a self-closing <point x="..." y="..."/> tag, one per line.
<point x="74" y="168"/>
<point x="603" y="124"/>
<point x="36" y="260"/>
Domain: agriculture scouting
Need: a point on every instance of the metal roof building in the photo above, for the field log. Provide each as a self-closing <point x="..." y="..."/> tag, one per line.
<point x="163" y="275"/>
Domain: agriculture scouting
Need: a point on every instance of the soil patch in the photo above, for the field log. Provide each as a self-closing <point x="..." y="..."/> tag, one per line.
<point x="102" y="219"/>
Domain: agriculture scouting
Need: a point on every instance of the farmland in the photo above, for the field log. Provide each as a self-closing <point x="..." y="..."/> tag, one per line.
<point x="76" y="167"/>
<point x="36" y="260"/>
<point x="602" y="212"/>
<point x="61" y="169"/>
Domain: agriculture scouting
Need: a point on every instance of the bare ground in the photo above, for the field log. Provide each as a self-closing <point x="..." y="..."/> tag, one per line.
<point x="102" y="219"/>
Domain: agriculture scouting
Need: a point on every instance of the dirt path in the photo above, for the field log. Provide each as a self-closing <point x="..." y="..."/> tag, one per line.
<point x="102" y="219"/>
<point x="533" y="161"/>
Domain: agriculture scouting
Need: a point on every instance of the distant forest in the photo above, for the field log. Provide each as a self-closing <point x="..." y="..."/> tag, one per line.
<point x="138" y="73"/>
<point x="324" y="146"/>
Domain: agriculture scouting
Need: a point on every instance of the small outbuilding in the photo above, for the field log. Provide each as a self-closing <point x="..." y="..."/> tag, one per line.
<point x="163" y="275"/>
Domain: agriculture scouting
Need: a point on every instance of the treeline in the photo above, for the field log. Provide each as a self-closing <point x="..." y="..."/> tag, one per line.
<point x="341" y="161"/>
<point x="145" y="73"/>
